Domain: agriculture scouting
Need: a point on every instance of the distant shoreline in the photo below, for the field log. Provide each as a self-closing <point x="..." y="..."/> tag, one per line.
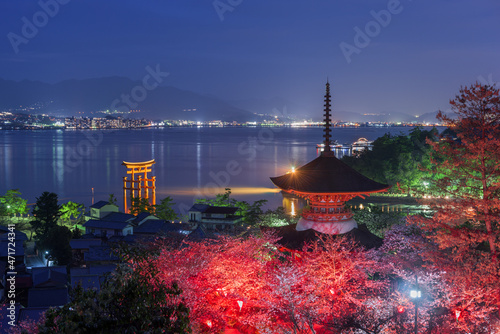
<point x="31" y="128"/>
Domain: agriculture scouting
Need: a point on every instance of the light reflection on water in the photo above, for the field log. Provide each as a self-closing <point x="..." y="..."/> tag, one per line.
<point x="189" y="161"/>
<point x="235" y="191"/>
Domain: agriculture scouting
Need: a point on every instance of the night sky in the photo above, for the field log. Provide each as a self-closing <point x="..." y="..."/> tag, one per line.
<point x="263" y="49"/>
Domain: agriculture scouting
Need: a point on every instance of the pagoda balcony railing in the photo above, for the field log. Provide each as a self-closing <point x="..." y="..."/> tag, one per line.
<point x="327" y="217"/>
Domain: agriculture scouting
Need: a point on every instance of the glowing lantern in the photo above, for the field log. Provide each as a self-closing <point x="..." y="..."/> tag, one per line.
<point x="209" y="323"/>
<point x="401" y="309"/>
<point x="240" y="304"/>
<point x="457" y="314"/>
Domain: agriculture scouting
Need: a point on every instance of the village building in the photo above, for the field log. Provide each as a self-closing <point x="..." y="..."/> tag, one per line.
<point x="215" y="218"/>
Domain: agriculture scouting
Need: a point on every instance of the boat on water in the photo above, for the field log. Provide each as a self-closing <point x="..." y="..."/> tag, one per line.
<point x="356" y="147"/>
<point x="334" y="146"/>
<point x="361" y="144"/>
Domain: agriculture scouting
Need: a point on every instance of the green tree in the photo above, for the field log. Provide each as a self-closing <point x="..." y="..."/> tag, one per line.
<point x="223" y="199"/>
<point x="139" y="204"/>
<point x="396" y="160"/>
<point x="129" y="301"/>
<point x="165" y="210"/>
<point x="46" y="212"/>
<point x="466" y="225"/>
<point x="377" y="221"/>
<point x="277" y="217"/>
<point x="12" y="204"/>
<point x="70" y="209"/>
<point x="467" y="170"/>
<point x="77" y="233"/>
<point x="56" y="243"/>
<point x="249" y="212"/>
<point x="112" y="199"/>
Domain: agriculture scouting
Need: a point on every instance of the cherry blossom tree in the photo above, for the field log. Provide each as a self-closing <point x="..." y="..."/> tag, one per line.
<point x="248" y="284"/>
<point x="223" y="280"/>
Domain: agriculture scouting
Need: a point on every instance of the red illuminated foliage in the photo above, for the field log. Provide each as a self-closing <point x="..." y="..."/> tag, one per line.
<point x="467" y="169"/>
<point x="249" y="285"/>
<point x="465" y="225"/>
<point x="215" y="275"/>
<point x="405" y="251"/>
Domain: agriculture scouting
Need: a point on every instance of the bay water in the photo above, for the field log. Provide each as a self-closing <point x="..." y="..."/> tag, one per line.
<point x="86" y="166"/>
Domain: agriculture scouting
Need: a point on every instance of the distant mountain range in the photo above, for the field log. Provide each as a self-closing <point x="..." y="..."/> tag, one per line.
<point x="86" y="97"/>
<point x="286" y="109"/>
<point x="74" y="97"/>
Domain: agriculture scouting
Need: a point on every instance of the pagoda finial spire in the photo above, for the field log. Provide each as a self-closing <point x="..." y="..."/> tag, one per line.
<point x="327" y="135"/>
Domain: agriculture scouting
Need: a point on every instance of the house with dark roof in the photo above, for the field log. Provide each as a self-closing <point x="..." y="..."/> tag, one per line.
<point x="48" y="277"/>
<point x="144" y="216"/>
<point x="100" y="255"/>
<point x="218" y="218"/>
<point x="108" y="228"/>
<point x="90" y="277"/>
<point x="160" y="227"/>
<point x="119" y="217"/>
<point x="50" y="287"/>
<point x="101" y="209"/>
<point x="80" y="246"/>
<point x="198" y="234"/>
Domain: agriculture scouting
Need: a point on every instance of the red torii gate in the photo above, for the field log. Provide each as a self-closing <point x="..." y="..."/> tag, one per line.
<point x="139" y="183"/>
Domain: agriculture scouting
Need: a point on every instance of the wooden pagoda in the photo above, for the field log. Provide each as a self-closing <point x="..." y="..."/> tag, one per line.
<point x="139" y="184"/>
<point x="327" y="183"/>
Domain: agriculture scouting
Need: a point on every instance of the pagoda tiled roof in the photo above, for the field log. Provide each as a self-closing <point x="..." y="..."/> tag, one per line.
<point x="328" y="175"/>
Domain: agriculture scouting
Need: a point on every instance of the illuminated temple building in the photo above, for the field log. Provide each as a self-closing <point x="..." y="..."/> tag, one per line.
<point x="327" y="183"/>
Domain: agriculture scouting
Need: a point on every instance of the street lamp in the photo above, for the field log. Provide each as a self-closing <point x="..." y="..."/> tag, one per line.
<point x="416" y="295"/>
